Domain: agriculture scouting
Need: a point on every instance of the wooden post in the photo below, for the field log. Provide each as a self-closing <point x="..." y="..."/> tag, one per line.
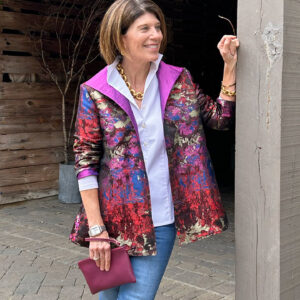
<point x="267" y="214"/>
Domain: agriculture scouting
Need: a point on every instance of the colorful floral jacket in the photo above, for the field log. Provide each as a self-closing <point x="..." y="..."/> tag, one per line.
<point x="107" y="145"/>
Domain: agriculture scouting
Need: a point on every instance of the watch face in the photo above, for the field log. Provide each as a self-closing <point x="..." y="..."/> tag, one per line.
<point x="95" y="230"/>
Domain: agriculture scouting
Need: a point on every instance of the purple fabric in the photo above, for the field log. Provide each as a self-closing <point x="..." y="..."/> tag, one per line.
<point x="166" y="74"/>
<point x="85" y="173"/>
<point x="228" y="107"/>
<point x="99" y="83"/>
<point x="124" y="192"/>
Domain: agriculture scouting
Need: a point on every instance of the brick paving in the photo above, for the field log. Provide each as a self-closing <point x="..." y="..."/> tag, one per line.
<point x="37" y="261"/>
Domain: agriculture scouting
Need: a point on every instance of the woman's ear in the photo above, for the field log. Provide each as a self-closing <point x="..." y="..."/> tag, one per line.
<point x="124" y="41"/>
<point x="124" y="45"/>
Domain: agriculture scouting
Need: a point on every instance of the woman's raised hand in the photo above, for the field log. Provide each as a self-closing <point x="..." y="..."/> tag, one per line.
<point x="228" y="49"/>
<point x="100" y="252"/>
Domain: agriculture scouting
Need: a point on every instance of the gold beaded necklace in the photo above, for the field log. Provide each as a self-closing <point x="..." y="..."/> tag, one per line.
<point x="136" y="95"/>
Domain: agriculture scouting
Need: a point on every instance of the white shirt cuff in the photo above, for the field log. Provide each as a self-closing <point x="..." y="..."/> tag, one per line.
<point x="88" y="182"/>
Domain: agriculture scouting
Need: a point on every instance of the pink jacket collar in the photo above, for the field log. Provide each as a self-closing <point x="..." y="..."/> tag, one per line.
<point x="166" y="74"/>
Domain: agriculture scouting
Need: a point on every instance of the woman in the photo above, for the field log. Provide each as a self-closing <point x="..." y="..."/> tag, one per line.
<point x="143" y="167"/>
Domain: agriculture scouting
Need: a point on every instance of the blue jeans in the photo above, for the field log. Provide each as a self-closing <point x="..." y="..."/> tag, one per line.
<point x="148" y="270"/>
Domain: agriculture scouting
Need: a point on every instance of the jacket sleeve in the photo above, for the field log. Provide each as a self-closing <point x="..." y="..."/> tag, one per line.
<point x="87" y="143"/>
<point x="217" y="114"/>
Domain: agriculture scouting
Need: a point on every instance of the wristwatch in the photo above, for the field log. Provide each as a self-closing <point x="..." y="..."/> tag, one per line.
<point x="96" y="229"/>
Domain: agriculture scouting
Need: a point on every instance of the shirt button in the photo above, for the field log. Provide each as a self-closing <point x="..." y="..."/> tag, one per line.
<point x="145" y="144"/>
<point x="144" y="125"/>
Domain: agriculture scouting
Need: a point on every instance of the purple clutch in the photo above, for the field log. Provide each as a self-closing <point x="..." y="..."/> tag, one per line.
<point x="120" y="271"/>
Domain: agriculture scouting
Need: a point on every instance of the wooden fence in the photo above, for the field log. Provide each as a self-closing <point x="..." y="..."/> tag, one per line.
<point x="31" y="139"/>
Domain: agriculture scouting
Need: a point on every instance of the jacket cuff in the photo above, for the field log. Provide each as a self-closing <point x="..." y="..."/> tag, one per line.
<point x="86" y="173"/>
<point x="228" y="107"/>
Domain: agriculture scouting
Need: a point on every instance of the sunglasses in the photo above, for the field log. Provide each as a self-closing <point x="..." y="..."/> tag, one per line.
<point x="229" y="23"/>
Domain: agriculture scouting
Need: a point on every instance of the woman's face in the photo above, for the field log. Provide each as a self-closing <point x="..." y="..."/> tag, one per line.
<point x="142" y="39"/>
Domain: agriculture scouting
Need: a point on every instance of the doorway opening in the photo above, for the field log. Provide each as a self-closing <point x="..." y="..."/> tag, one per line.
<point x="194" y="30"/>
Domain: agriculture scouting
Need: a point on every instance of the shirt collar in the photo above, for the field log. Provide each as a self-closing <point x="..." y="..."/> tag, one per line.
<point x="156" y="62"/>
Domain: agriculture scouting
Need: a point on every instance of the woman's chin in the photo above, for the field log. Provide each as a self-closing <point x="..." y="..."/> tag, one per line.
<point x="146" y="58"/>
<point x="153" y="57"/>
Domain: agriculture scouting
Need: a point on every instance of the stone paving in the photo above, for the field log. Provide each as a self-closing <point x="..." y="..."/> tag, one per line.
<point x="37" y="261"/>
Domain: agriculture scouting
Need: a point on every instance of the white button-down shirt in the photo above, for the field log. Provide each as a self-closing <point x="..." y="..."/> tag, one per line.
<point x="151" y="133"/>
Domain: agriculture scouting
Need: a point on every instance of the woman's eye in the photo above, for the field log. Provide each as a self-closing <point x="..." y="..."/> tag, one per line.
<point x="144" y="28"/>
<point x="158" y="28"/>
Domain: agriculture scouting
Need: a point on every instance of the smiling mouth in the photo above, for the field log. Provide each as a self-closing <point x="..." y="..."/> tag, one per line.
<point x="152" y="46"/>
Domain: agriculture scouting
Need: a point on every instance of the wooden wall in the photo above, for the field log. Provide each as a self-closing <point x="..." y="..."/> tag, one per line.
<point x="31" y="140"/>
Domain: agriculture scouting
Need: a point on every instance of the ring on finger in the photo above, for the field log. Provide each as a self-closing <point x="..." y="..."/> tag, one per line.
<point x="96" y="258"/>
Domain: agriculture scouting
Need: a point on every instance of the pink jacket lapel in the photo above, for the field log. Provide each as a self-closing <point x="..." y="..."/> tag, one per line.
<point x="166" y="74"/>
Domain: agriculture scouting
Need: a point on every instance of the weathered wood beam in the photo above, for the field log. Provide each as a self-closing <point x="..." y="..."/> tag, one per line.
<point x="32" y="90"/>
<point x="290" y="156"/>
<point x="267" y="211"/>
<point x="31" y="64"/>
<point x="29" y="124"/>
<point x="34" y="107"/>
<point x="28" y="191"/>
<point x="35" y="140"/>
<point x="22" y="175"/>
<point x="27" y="22"/>
<point x="23" y="43"/>
<point x="31" y="157"/>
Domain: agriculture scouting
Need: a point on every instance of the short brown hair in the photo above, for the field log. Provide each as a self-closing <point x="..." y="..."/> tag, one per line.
<point x="116" y="21"/>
